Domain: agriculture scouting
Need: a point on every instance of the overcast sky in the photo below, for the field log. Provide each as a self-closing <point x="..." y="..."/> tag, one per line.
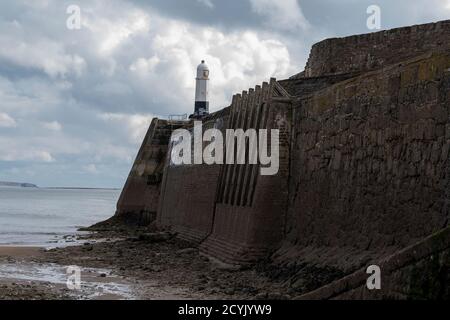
<point x="75" y="104"/>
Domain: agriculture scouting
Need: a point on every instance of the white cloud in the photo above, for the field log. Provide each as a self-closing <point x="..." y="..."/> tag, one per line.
<point x="282" y="14"/>
<point x="36" y="3"/>
<point x="16" y="154"/>
<point x="42" y="155"/>
<point x="143" y="65"/>
<point x="38" y="52"/>
<point x="207" y="3"/>
<point x="6" y="121"/>
<point x="108" y="151"/>
<point x="237" y="60"/>
<point x="53" y="126"/>
<point x="91" y="168"/>
<point x="114" y="32"/>
<point x="136" y="125"/>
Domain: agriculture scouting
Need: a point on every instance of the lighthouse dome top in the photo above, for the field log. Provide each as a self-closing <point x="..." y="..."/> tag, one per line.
<point x="203" y="71"/>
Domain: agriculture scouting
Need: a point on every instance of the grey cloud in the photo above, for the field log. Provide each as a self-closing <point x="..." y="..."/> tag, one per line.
<point x="225" y="14"/>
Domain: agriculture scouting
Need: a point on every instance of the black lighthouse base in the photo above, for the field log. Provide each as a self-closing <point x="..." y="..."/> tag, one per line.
<point x="201" y="110"/>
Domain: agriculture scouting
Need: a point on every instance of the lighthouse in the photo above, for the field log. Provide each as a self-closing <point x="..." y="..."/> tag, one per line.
<point x="201" y="91"/>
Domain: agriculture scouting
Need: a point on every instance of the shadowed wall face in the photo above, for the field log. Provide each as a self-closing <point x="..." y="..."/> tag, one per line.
<point x="139" y="200"/>
<point x="370" y="159"/>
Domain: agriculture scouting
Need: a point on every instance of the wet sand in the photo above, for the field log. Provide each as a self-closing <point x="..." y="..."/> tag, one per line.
<point x="20" y="252"/>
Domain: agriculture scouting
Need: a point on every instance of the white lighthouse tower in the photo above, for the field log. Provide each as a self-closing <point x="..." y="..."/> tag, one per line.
<point x="201" y="91"/>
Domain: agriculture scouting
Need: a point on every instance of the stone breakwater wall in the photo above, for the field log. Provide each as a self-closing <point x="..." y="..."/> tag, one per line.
<point x="188" y="192"/>
<point x="138" y="202"/>
<point x="375" y="50"/>
<point x="369" y="160"/>
<point x="420" y="271"/>
<point x="364" y="170"/>
<point x="245" y="226"/>
<point x="229" y="208"/>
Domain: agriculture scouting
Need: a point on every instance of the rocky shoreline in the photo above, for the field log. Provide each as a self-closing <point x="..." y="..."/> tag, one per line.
<point x="152" y="265"/>
<point x="159" y="266"/>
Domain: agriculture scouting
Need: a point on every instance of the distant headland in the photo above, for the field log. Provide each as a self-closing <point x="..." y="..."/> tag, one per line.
<point x="17" y="184"/>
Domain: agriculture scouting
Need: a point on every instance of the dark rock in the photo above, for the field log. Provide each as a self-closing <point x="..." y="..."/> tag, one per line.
<point x="187" y="251"/>
<point x="229" y="291"/>
<point x="154" y="237"/>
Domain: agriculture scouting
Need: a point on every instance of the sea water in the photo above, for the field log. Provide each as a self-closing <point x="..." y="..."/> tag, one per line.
<point x="45" y="217"/>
